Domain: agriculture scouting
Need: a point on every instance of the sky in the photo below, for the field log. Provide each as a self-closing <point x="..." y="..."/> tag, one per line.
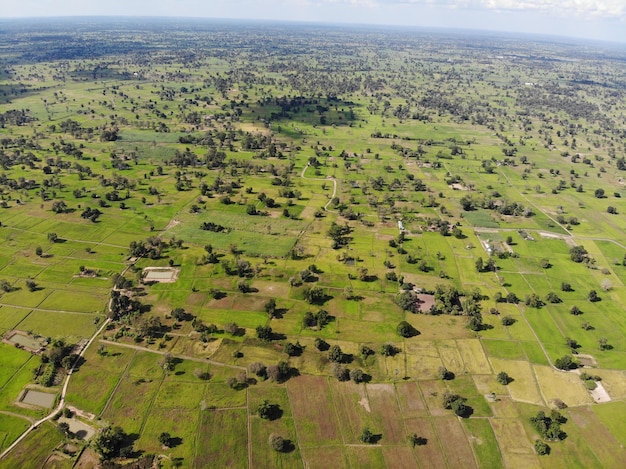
<point x="592" y="19"/>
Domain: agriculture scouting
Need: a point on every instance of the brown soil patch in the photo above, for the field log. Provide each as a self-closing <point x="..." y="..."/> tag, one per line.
<point x="399" y="457"/>
<point x="249" y="303"/>
<point x="426" y="301"/>
<point x="313" y="411"/>
<point x="352" y="416"/>
<point x="196" y="299"/>
<point x="323" y="458"/>
<point x="87" y="460"/>
<point x="384" y="406"/>
<point x="411" y="403"/>
<point x="457" y="448"/>
<point x="433" y="392"/>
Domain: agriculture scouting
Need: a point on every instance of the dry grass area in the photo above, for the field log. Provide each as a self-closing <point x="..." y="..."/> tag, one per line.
<point x="524" y="386"/>
<point x="562" y="385"/>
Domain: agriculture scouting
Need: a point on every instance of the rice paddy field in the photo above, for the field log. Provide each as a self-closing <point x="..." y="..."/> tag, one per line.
<point x="256" y="247"/>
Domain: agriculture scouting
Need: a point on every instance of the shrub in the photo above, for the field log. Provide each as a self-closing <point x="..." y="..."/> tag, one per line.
<point x="541" y="448"/>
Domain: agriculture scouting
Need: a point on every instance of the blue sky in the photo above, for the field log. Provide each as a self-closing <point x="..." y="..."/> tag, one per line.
<point x="596" y="19"/>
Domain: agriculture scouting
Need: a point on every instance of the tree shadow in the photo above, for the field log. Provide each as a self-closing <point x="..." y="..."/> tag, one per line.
<point x="274" y="412"/>
<point x="288" y="446"/>
<point x="279" y="313"/>
<point x="467" y="413"/>
<point x="175" y="441"/>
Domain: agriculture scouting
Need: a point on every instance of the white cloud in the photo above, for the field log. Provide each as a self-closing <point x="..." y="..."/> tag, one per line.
<point x="597" y="8"/>
<point x="562" y="8"/>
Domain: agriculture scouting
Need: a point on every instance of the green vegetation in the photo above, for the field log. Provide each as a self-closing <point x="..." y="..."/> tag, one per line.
<point x="310" y="247"/>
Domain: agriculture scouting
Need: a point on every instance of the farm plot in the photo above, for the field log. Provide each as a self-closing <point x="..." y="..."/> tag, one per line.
<point x="517" y="450"/>
<point x="524" y="386"/>
<point x="590" y="443"/>
<point x="181" y="424"/>
<point x="562" y="385"/>
<point x="131" y="402"/>
<point x="431" y="455"/>
<point x="452" y="437"/>
<point x="313" y="410"/>
<point x="11" y="427"/>
<point x="474" y="357"/>
<point x="484" y="442"/>
<point x="227" y="447"/>
<point x="35" y="449"/>
<point x="410" y="400"/>
<point x="91" y="386"/>
<point x="386" y="413"/>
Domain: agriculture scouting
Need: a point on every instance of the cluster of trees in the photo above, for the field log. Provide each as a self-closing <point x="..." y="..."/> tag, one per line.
<point x="549" y="427"/>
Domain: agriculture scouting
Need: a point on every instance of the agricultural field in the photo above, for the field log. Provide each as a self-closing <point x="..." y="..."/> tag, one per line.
<point x="247" y="246"/>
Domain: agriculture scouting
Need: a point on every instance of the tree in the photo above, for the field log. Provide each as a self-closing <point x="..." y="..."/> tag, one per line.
<point x="503" y="378"/>
<point x="268" y="411"/>
<point x="541" y="448"/>
<point x="533" y="301"/>
<point x="406" y="330"/>
<point x="566" y="362"/>
<point x="415" y="440"/>
<point x="367" y="436"/>
<point x="365" y="351"/>
<point x="408" y="301"/>
<point x="258" y="369"/>
<point x="264" y="333"/>
<point x="335" y="354"/>
<point x="612" y="210"/>
<point x="475" y="322"/>
<point x="53" y="237"/>
<point x="39" y="251"/>
<point x="606" y="285"/>
<point x="109" y="442"/>
<point x="388" y="350"/>
<point x="455" y="403"/>
<point x="507" y="320"/>
<point x="603" y="342"/>
<point x="578" y="253"/>
<point x="277" y="442"/>
<point x="293" y="350"/>
<point x="512" y="298"/>
<point x="179" y="314"/>
<point x="443" y="374"/>
<point x="31" y="285"/>
<point x="340" y="372"/>
<point x="599" y="193"/>
<point x="566" y="287"/>
<point x="320" y="344"/>
<point x="313" y="295"/>
<point x="165" y="439"/>
<point x="553" y="298"/>
<point x="575" y="310"/>
<point x="64" y="428"/>
<point x="270" y="307"/>
<point x="357" y="375"/>
<point x="593" y="296"/>
<point x="167" y="362"/>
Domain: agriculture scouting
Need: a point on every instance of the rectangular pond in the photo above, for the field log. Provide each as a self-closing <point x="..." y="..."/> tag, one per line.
<point x="38" y="398"/>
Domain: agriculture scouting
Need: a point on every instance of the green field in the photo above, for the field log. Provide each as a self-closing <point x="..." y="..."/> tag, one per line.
<point x="358" y="224"/>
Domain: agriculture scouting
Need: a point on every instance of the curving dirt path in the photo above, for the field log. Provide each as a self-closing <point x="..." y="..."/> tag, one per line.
<point x="334" y="181"/>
